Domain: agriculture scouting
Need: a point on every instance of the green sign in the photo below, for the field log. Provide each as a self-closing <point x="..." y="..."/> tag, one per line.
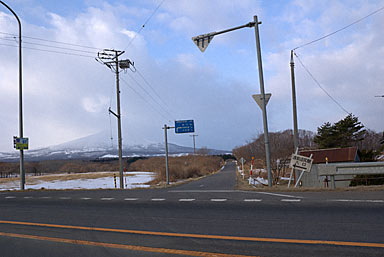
<point x="20" y="143"/>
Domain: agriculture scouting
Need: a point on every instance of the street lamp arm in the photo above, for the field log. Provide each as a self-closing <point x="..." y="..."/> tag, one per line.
<point x="212" y="34"/>
<point x="17" y="18"/>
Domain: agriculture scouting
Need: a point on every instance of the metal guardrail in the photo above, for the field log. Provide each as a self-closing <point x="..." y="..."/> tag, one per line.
<point x="359" y="168"/>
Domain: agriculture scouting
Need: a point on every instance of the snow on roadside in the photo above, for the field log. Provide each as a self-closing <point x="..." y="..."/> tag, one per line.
<point x="133" y="180"/>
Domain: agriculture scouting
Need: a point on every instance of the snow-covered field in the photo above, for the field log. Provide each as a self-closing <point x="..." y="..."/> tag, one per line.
<point x="58" y="181"/>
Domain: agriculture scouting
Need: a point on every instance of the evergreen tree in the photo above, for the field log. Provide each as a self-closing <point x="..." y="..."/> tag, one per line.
<point x="344" y="133"/>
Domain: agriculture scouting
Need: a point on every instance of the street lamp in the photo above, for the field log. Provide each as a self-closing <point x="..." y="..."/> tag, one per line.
<point x="202" y="43"/>
<point x="22" y="173"/>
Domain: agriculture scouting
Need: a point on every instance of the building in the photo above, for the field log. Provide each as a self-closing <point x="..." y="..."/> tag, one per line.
<point x="333" y="155"/>
<point x="329" y="156"/>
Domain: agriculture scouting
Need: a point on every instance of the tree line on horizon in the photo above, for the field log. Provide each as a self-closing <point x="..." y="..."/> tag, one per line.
<point x="344" y="133"/>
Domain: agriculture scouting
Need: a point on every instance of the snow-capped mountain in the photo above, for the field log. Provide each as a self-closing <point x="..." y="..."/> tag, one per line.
<point x="98" y="146"/>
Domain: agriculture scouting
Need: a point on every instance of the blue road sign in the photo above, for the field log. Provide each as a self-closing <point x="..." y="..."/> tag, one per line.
<point x="184" y="126"/>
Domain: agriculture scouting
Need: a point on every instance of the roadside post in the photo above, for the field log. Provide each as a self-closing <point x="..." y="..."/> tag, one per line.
<point x="302" y="163"/>
<point x="181" y="126"/>
<point x="242" y="166"/>
<point x="242" y="163"/>
<point x="250" y="172"/>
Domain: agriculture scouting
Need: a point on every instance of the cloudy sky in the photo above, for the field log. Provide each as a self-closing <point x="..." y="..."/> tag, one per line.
<point x="67" y="93"/>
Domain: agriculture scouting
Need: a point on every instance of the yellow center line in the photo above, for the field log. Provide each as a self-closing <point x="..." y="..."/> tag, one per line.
<point x="235" y="238"/>
<point x="121" y="246"/>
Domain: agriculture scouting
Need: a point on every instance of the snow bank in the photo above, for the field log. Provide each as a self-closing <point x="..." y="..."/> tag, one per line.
<point x="134" y="180"/>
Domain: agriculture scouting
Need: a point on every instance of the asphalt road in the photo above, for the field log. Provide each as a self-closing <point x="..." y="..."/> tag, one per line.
<point x="207" y="217"/>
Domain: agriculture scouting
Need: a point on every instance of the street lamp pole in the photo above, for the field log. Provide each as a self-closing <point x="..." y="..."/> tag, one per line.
<point x="265" y="122"/>
<point x="22" y="173"/>
<point x="202" y="42"/>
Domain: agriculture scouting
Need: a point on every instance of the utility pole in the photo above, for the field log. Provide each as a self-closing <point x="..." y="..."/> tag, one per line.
<point x="295" y="129"/>
<point x="194" y="142"/>
<point x="110" y="58"/>
<point x="22" y="171"/>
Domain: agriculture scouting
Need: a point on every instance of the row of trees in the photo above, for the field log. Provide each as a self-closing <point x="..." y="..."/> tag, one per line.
<point x="344" y="133"/>
<point x="281" y="146"/>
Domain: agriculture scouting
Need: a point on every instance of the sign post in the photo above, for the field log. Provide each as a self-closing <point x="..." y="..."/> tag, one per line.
<point x="166" y="151"/>
<point x="302" y="163"/>
<point x="181" y="126"/>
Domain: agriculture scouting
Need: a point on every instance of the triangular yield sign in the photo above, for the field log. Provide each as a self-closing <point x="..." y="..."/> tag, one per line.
<point x="259" y="99"/>
<point x="203" y="41"/>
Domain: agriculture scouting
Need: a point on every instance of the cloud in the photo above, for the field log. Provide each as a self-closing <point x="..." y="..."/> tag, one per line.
<point x="347" y="65"/>
<point x="95" y="104"/>
<point x="67" y="97"/>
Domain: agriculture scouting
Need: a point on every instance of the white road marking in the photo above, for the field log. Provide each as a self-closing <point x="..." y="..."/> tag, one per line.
<point x="289" y="196"/>
<point x="290" y="200"/>
<point x="64" y="198"/>
<point x="157" y="199"/>
<point x="187" y="200"/>
<point x="131" y="199"/>
<point x="357" y="201"/>
<point x="252" y="200"/>
<point x="85" y="198"/>
<point x="10" y="197"/>
<point x="204" y="191"/>
<point x="45" y="197"/>
<point x="106" y="199"/>
<point x="28" y="197"/>
<point x="219" y="200"/>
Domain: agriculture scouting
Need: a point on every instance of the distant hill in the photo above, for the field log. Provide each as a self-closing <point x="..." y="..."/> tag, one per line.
<point x="95" y="147"/>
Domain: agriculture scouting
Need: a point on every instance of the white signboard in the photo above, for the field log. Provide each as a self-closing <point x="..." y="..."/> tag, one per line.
<point x="300" y="162"/>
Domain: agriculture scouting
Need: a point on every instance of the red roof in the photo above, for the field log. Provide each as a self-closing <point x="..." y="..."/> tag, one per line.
<point x="348" y="154"/>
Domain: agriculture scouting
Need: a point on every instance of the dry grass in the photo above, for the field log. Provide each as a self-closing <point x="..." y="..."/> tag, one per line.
<point x="179" y="167"/>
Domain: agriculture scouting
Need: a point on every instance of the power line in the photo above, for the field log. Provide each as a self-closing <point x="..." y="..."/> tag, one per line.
<point x="50" y="51"/>
<point x="318" y="84"/>
<point x="56" y="47"/>
<point x="154" y="100"/>
<point x="150" y="86"/>
<point x="52" y="41"/>
<point x="343" y="28"/>
<point x="145" y="23"/>
<point x="143" y="98"/>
